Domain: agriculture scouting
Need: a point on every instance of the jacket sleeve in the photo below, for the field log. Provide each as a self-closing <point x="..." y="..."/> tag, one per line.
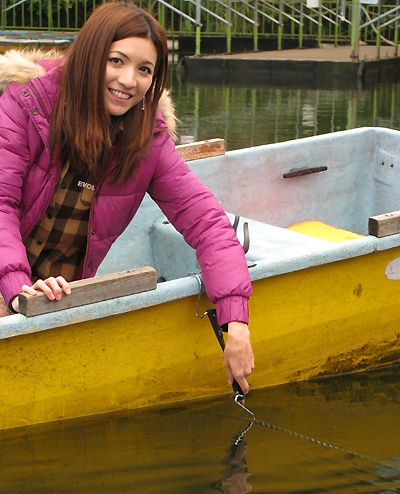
<point x="195" y="212"/>
<point x="14" y="162"/>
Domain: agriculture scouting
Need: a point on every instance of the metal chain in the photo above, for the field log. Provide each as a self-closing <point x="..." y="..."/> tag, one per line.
<point x="311" y="439"/>
<point x="321" y="443"/>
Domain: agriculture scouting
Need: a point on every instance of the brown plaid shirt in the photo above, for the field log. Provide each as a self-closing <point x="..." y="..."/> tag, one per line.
<point x="57" y="243"/>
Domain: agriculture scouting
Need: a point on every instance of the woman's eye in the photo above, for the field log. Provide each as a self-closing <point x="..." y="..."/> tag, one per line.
<point x="115" y="60"/>
<point x="146" y="69"/>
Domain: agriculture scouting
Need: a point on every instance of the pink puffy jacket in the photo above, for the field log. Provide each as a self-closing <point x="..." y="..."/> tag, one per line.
<point x="27" y="184"/>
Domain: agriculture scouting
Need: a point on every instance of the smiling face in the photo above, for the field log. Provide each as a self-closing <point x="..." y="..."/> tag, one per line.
<point x="129" y="73"/>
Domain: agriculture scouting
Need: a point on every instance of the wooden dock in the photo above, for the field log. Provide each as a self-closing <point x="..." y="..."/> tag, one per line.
<point x="327" y="53"/>
<point x="324" y="64"/>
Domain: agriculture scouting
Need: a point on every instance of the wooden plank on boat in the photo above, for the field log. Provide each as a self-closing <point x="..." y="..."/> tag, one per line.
<point x="384" y="224"/>
<point x="91" y="290"/>
<point x="201" y="149"/>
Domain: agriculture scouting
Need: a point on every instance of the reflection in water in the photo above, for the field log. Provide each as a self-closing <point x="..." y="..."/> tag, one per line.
<point x="234" y="480"/>
<point x="251" y="116"/>
<point x="234" y="477"/>
<point x="180" y="450"/>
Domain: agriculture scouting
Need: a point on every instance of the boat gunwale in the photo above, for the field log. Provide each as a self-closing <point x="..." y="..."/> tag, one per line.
<point x="168" y="291"/>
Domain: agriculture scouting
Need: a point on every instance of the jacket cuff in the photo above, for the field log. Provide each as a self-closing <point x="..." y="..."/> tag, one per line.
<point x="233" y="308"/>
<point x="11" y="284"/>
<point x="10" y="304"/>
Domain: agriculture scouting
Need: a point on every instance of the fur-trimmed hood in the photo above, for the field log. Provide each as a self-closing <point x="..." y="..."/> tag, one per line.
<point x="21" y="66"/>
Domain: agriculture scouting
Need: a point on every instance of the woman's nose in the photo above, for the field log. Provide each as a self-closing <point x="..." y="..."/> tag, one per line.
<point x="127" y="78"/>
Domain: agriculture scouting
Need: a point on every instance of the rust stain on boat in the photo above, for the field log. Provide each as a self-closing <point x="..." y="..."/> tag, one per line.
<point x="370" y="356"/>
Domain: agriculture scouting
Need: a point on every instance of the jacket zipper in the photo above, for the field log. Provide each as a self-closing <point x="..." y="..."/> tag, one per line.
<point x="88" y="231"/>
<point x="88" y="237"/>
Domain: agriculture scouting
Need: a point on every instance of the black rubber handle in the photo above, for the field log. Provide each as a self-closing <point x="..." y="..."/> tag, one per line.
<point x="237" y="390"/>
<point x="212" y="316"/>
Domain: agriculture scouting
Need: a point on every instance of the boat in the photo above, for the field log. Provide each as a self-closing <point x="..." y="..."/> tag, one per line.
<point x="30" y="39"/>
<point x="322" y="304"/>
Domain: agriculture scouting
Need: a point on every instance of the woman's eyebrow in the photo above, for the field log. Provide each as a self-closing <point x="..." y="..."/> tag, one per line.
<point x="119" y="53"/>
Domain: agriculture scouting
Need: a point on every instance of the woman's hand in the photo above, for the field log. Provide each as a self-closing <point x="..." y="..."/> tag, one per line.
<point x="51" y="287"/>
<point x="238" y="355"/>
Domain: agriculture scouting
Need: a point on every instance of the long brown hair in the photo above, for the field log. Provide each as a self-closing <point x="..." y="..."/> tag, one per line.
<point x="82" y="131"/>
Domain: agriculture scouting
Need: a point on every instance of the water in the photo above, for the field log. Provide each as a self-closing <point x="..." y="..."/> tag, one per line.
<point x="191" y="449"/>
<point x="264" y="114"/>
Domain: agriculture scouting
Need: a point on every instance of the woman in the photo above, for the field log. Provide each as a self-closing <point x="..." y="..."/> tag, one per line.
<point x="95" y="117"/>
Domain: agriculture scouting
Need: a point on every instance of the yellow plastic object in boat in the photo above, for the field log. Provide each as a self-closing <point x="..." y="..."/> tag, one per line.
<point x="316" y="228"/>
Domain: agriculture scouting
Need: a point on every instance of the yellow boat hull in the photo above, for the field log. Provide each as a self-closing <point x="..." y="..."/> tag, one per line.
<point x="331" y="319"/>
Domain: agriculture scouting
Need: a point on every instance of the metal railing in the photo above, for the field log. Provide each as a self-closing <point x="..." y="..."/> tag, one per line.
<point x="393" y="15"/>
<point x="333" y="21"/>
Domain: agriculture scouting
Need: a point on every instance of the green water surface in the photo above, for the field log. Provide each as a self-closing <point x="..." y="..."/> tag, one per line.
<point x="265" y="113"/>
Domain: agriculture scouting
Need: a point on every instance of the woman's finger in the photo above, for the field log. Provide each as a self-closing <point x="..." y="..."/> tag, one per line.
<point x="51" y="287"/>
<point x="52" y="283"/>
<point x="64" y="284"/>
<point x="43" y="285"/>
<point x="29" y="289"/>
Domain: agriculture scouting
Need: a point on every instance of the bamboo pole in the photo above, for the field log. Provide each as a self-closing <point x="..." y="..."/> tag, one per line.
<point x="354" y="30"/>
<point x="198" y="26"/>
<point x="255" y="27"/>
<point x="280" y="26"/>
<point x="396" y="34"/>
<point x="3" y="15"/>
<point x="337" y="22"/>
<point x="378" y="32"/>
<point x="229" y="28"/>
<point x="301" y="25"/>
<point x="319" y="23"/>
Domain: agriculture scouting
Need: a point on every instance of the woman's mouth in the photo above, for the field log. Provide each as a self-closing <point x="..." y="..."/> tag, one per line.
<point x="119" y="94"/>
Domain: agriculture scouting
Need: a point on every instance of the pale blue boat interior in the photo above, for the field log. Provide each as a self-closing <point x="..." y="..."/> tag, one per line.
<point x="361" y="180"/>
